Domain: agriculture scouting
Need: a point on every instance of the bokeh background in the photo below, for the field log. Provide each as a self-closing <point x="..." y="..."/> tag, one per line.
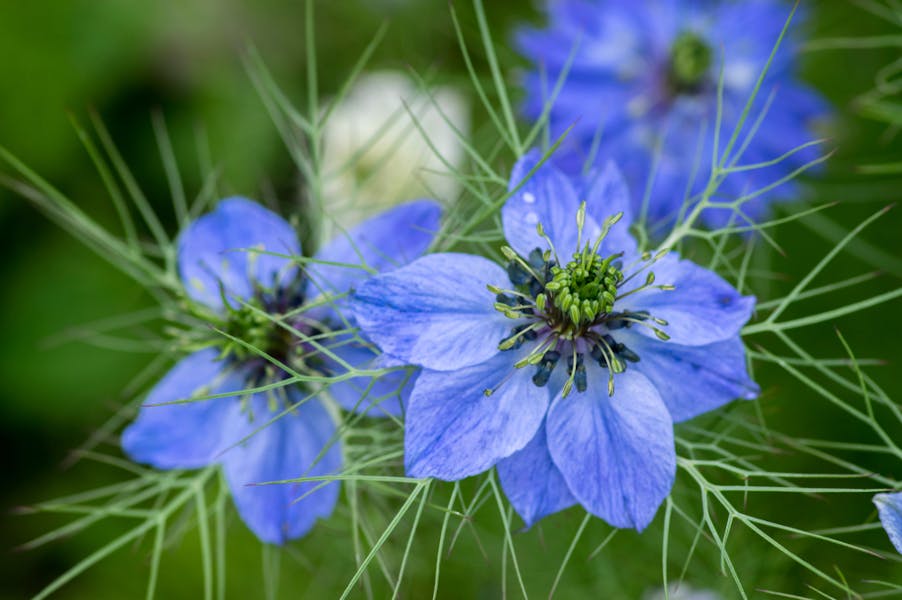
<point x="127" y="59"/>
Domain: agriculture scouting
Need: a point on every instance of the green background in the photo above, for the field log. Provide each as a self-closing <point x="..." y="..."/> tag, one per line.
<point x="184" y="58"/>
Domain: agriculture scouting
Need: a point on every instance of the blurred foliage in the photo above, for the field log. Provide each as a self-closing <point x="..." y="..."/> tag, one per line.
<point x="127" y="59"/>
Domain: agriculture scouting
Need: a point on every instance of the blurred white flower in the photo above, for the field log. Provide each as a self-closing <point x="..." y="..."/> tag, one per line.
<point x="681" y="591"/>
<point x="374" y="156"/>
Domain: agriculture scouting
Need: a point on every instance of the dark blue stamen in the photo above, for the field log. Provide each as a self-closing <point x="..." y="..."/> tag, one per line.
<point x="619" y="320"/>
<point x="599" y="356"/>
<point x="627" y="354"/>
<point x="516" y="332"/>
<point x="596" y="352"/>
<point x="517" y="342"/>
<point x="534" y="281"/>
<point x="579" y="376"/>
<point x="545" y="367"/>
<point x="529" y="335"/>
<point x="517" y="274"/>
<point x="505" y="299"/>
<point x="617" y="348"/>
<point x="536" y="259"/>
<point x="535" y="287"/>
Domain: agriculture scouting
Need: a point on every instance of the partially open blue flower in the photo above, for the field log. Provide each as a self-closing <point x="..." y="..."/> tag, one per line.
<point x="238" y="262"/>
<point x="889" y="507"/>
<point x="643" y="84"/>
<point x="567" y="367"/>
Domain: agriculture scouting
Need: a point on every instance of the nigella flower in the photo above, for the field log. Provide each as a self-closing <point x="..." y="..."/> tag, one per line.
<point x="889" y="506"/>
<point x="236" y="264"/>
<point x="642" y="90"/>
<point x="568" y="367"/>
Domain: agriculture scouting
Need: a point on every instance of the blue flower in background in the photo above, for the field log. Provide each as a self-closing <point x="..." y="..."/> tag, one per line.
<point x="642" y="90"/>
<point x="236" y="261"/>
<point x="889" y="506"/>
<point x="556" y="367"/>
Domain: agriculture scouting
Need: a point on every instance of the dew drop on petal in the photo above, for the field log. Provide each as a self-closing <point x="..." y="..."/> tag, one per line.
<point x="529" y="198"/>
<point x="532" y="218"/>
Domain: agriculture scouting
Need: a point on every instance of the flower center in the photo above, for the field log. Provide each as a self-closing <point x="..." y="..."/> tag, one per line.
<point x="571" y="313"/>
<point x="258" y="331"/>
<point x="584" y="289"/>
<point x="690" y="59"/>
<point x="264" y="332"/>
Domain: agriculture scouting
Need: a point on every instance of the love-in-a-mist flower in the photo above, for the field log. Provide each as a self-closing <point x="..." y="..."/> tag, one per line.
<point x="568" y="366"/>
<point x="889" y="507"/>
<point x="236" y="264"/>
<point x="641" y="89"/>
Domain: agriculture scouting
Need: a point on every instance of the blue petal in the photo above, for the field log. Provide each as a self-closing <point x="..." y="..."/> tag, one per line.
<point x="703" y="308"/>
<point x="212" y="251"/>
<point x="293" y="446"/>
<point x="606" y="193"/>
<point x="532" y="482"/>
<point x="435" y="312"/>
<point x="382" y="243"/>
<point x="455" y="430"/>
<point x="890" y="508"/>
<point x="692" y="380"/>
<point x="373" y="396"/>
<point x="189" y="435"/>
<point x="547" y="197"/>
<point x="616" y="453"/>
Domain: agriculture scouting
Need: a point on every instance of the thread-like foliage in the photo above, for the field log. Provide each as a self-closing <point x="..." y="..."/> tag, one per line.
<point x="745" y="488"/>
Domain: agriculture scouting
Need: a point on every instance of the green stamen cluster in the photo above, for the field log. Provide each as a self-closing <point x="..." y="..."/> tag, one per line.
<point x="567" y="312"/>
<point x="586" y="287"/>
<point x="256" y="329"/>
<point x="690" y="59"/>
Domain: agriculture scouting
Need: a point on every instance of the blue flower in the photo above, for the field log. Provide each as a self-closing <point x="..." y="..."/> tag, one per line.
<point x="236" y="264"/>
<point x="643" y="85"/>
<point x="889" y="506"/>
<point x="555" y="367"/>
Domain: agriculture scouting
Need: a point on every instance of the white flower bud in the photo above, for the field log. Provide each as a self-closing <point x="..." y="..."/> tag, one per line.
<point x="375" y="156"/>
